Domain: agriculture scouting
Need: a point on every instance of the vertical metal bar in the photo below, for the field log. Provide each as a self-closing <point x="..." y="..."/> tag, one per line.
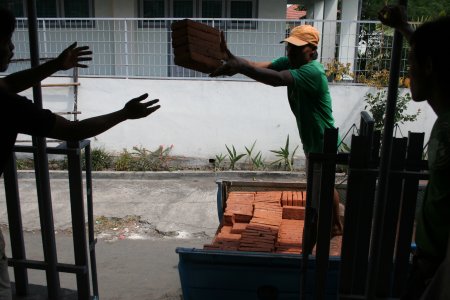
<point x="327" y="182"/>
<point x="75" y="94"/>
<point x="15" y="224"/>
<point x="407" y="213"/>
<point x="41" y="167"/>
<point x="126" y="48"/>
<point x="78" y="223"/>
<point x="309" y="231"/>
<point x="390" y="219"/>
<point x="377" y="235"/>
<point x="91" y="224"/>
<point x="358" y="221"/>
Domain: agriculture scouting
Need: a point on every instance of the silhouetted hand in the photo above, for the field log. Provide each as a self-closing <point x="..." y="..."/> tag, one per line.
<point x="393" y="16"/>
<point x="136" y="109"/>
<point x="73" y="55"/>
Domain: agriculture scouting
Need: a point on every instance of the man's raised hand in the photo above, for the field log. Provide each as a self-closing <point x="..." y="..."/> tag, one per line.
<point x="136" y="108"/>
<point x="73" y="56"/>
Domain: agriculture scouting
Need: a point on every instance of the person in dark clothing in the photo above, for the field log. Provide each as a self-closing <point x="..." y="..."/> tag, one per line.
<point x="429" y="66"/>
<point x="20" y="115"/>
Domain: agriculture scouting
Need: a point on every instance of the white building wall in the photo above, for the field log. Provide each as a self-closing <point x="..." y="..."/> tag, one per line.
<point x="271" y="9"/>
<point x="199" y="117"/>
<point x="103" y="9"/>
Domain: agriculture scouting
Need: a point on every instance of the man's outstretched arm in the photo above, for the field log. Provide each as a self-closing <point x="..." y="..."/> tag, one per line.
<point x="259" y="71"/>
<point x="64" y="129"/>
<point x="71" y="57"/>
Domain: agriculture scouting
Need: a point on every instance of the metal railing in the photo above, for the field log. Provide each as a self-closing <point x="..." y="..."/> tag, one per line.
<point x="142" y="48"/>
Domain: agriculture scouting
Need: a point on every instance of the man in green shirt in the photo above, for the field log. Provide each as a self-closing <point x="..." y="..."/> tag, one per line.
<point x="429" y="67"/>
<point x="307" y="88"/>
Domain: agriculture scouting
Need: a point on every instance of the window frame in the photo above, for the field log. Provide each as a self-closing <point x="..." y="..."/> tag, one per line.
<point x="197" y="8"/>
<point x="194" y="9"/>
<point x="60" y="14"/>
<point x="200" y="7"/>
<point x="153" y="24"/>
<point x="242" y="24"/>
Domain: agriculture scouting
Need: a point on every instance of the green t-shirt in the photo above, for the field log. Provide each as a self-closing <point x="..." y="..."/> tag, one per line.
<point x="310" y="101"/>
<point x="433" y="223"/>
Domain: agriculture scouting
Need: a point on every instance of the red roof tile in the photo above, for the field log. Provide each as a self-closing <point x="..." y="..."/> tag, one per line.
<point x="293" y="14"/>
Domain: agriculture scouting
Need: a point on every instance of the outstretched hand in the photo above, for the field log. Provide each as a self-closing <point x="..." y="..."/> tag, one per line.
<point x="72" y="57"/>
<point x="393" y="16"/>
<point x="136" y="109"/>
<point x="231" y="63"/>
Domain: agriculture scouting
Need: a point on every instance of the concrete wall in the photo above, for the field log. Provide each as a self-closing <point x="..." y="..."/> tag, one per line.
<point x="200" y="116"/>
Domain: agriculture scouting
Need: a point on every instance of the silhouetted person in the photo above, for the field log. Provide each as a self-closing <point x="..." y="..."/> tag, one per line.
<point x="429" y="74"/>
<point x="20" y="115"/>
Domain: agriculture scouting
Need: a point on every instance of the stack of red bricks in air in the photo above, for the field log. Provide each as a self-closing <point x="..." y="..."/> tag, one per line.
<point x="262" y="222"/>
<point x="196" y="46"/>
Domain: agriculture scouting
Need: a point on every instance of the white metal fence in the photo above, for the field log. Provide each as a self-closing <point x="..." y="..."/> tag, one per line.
<point x="141" y="48"/>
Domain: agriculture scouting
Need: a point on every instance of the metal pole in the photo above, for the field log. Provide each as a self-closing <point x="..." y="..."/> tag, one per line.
<point x="42" y="175"/>
<point x="91" y="224"/>
<point x="78" y="218"/>
<point x="15" y="225"/>
<point x="385" y="161"/>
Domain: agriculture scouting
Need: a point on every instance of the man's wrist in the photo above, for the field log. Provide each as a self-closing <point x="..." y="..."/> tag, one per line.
<point x="56" y="64"/>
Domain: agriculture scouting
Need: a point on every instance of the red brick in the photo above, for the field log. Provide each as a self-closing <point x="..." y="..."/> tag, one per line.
<point x="196" y="46"/>
<point x="294" y="212"/>
<point x="194" y="25"/>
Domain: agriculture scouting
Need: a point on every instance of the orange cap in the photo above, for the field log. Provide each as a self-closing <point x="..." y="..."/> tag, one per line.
<point x="303" y="35"/>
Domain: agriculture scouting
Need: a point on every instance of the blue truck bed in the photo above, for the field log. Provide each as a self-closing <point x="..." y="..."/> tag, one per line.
<point x="237" y="275"/>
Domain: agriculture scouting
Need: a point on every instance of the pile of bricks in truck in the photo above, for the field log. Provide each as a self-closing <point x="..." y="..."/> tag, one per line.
<point x="262" y="222"/>
<point x="196" y="46"/>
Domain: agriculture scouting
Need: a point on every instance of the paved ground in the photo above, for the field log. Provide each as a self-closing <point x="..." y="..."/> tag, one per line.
<point x="141" y="219"/>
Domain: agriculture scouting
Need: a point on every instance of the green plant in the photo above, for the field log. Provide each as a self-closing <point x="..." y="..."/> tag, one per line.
<point x="218" y="162"/>
<point x="233" y="156"/>
<point x="285" y="156"/>
<point x="163" y="155"/>
<point x="100" y="159"/>
<point x="258" y="162"/>
<point x="376" y="103"/>
<point x="146" y="160"/>
<point x="59" y="164"/>
<point x="124" y="161"/>
<point x="337" y="71"/>
<point x="25" y="163"/>
<point x="250" y="154"/>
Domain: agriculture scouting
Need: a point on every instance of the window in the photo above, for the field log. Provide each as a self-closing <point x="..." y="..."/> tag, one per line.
<point x="242" y="10"/>
<point x="182" y="9"/>
<point x="15" y="6"/>
<point x="53" y="8"/>
<point x="198" y="9"/>
<point x="77" y="9"/>
<point x="212" y="9"/>
<point x="153" y="9"/>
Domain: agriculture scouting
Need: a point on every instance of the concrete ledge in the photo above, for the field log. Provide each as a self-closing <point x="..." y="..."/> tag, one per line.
<point x="252" y="175"/>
